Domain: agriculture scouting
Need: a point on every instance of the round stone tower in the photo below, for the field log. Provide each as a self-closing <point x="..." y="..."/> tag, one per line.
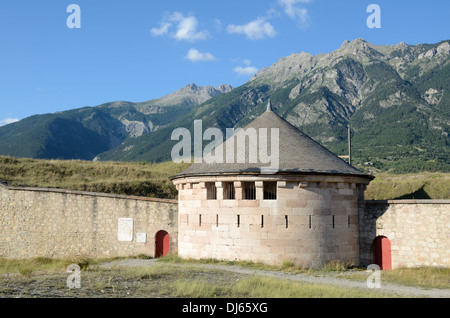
<point x="303" y="209"/>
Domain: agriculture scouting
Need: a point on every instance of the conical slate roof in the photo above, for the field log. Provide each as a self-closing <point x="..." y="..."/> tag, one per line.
<point x="297" y="153"/>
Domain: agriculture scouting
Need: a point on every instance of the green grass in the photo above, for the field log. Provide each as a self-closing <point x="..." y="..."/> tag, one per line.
<point x="196" y="282"/>
<point x="425" y="277"/>
<point x="28" y="266"/>
<point x="152" y="180"/>
<point x="142" y="179"/>
<point x="199" y="289"/>
<point x="168" y="279"/>
<point x="268" y="287"/>
<point x="286" y="266"/>
<point x="409" y="186"/>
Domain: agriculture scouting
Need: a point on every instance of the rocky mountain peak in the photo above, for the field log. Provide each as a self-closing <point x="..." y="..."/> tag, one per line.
<point x="210" y="90"/>
<point x="224" y="88"/>
<point x="444" y="48"/>
<point x="191" y="94"/>
<point x="356" y="42"/>
<point x="345" y="43"/>
<point x="441" y="50"/>
<point x="192" y="86"/>
<point x="359" y="40"/>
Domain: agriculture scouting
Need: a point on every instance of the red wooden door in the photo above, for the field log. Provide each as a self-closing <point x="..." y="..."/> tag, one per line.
<point x="382" y="249"/>
<point x="162" y="243"/>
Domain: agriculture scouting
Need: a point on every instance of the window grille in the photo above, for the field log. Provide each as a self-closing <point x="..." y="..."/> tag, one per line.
<point x="228" y="191"/>
<point x="270" y="190"/>
<point x="211" y="191"/>
<point x="249" y="190"/>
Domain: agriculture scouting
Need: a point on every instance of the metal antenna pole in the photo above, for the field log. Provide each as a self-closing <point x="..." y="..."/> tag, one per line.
<point x="349" y="145"/>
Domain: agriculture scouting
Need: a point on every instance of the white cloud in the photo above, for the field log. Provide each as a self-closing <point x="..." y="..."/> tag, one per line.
<point x="196" y="56"/>
<point x="7" y="121"/>
<point x="218" y="25"/>
<point x="163" y="29"/>
<point x="245" y="71"/>
<point x="186" y="28"/>
<point x="254" y="30"/>
<point x="272" y="13"/>
<point x="294" y="11"/>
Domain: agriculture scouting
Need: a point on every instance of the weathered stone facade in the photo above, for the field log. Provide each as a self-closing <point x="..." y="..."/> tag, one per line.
<point x="298" y="226"/>
<point x="313" y="220"/>
<point x="418" y="230"/>
<point x="63" y="224"/>
<point x="303" y="208"/>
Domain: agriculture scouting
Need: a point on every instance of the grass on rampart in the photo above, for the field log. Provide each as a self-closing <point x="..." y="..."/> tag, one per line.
<point x="152" y="180"/>
<point x="141" y="179"/>
<point x="424" y="185"/>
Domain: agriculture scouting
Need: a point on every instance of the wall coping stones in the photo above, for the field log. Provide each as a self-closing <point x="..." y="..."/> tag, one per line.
<point x="86" y="193"/>
<point x="120" y="196"/>
<point x="409" y="201"/>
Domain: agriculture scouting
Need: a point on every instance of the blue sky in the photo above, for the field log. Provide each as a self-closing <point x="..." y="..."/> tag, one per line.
<point x="138" y="50"/>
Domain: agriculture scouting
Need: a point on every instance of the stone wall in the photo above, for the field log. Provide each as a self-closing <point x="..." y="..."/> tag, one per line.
<point x="63" y="224"/>
<point x="418" y="230"/>
<point x="314" y="220"/>
<point x="311" y="222"/>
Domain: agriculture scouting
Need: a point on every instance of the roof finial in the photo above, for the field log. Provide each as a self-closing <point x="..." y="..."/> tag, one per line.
<point x="269" y="107"/>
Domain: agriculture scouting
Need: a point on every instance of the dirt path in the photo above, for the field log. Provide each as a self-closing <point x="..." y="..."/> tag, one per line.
<point x="330" y="279"/>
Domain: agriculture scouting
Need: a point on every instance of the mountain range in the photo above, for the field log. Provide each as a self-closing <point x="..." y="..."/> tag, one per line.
<point x="85" y="132"/>
<point x="396" y="98"/>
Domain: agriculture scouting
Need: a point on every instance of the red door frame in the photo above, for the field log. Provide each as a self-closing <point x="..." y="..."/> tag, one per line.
<point x="382" y="251"/>
<point x="162" y="244"/>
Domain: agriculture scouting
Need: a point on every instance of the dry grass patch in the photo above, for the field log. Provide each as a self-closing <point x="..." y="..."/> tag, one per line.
<point x="269" y="287"/>
<point x="409" y="186"/>
<point x="146" y="179"/>
<point x="424" y="277"/>
<point x="27" y="266"/>
<point x="141" y="179"/>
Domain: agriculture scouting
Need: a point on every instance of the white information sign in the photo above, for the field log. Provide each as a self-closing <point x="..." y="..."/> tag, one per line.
<point x="125" y="232"/>
<point x="141" y="237"/>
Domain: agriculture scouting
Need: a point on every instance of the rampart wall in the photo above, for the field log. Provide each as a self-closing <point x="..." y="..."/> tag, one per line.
<point x="62" y="224"/>
<point x="418" y="231"/>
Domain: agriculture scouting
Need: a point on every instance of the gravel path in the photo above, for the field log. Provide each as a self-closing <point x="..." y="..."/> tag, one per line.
<point x="405" y="291"/>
